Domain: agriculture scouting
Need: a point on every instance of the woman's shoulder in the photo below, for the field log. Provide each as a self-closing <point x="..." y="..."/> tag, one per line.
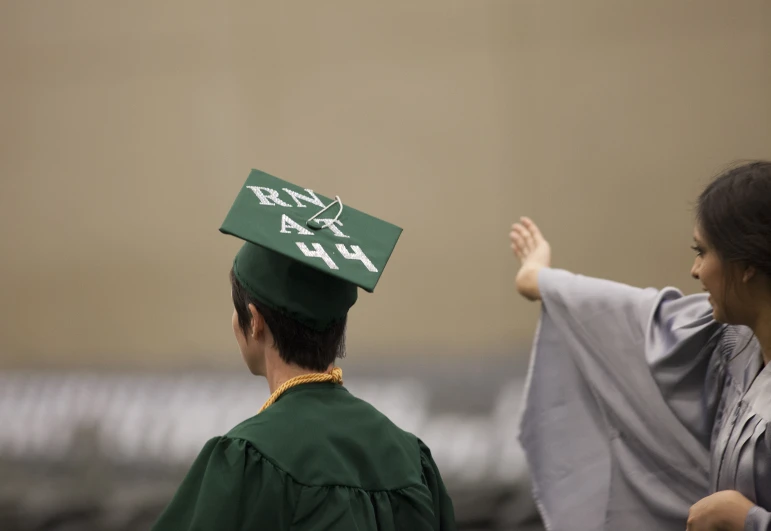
<point x="738" y="359"/>
<point x="735" y="339"/>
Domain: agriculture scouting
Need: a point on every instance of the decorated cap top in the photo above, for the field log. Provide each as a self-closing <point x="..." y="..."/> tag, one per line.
<point x="305" y="254"/>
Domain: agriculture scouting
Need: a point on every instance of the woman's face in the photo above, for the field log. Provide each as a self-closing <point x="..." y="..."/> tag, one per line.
<point x="712" y="272"/>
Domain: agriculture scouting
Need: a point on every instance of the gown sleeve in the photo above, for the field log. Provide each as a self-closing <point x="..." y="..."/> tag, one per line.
<point x="230" y="487"/>
<point x="758" y="519"/>
<point x="613" y="429"/>
<point x="443" y="508"/>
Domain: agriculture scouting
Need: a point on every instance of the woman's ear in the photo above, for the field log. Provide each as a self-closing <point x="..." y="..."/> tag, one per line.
<point x="258" y="322"/>
<point x="749" y="274"/>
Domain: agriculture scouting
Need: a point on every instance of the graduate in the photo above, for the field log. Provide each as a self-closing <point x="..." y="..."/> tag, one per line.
<point x="647" y="409"/>
<point x="315" y="457"/>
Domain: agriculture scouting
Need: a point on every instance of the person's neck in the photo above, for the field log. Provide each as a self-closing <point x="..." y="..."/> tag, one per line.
<point x="278" y="372"/>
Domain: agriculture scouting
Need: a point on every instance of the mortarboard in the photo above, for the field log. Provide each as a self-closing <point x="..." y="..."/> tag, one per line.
<point x="305" y="255"/>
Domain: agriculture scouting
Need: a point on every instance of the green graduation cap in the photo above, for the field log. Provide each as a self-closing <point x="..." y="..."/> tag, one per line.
<point x="305" y="254"/>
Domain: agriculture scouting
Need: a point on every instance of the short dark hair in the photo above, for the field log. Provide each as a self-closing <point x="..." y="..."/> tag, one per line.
<point x="296" y="343"/>
<point x="734" y="214"/>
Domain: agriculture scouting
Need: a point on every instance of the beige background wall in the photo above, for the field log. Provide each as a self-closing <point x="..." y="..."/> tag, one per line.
<point x="127" y="128"/>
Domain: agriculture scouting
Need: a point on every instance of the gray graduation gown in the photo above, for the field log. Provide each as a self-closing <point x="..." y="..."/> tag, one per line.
<point x="638" y="404"/>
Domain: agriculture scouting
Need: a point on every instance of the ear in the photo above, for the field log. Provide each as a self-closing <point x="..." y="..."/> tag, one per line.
<point x="749" y="274"/>
<point x="258" y="322"/>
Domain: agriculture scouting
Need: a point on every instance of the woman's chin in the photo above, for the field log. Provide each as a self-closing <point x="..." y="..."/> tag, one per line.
<point x="717" y="315"/>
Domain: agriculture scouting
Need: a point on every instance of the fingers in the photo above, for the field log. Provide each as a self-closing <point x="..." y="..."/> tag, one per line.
<point x="517" y="243"/>
<point x="535" y="232"/>
<point x="519" y="236"/>
<point x="524" y="235"/>
<point x="527" y="236"/>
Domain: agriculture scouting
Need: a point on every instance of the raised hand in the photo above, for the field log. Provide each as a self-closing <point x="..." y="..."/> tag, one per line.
<point x="534" y="253"/>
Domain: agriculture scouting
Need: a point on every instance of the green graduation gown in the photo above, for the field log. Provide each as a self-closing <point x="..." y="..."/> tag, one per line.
<point x="317" y="459"/>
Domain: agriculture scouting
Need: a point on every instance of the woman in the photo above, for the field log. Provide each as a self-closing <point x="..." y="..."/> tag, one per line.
<point x="647" y="409"/>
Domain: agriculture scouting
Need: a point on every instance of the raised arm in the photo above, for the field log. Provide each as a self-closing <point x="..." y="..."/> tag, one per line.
<point x="616" y="396"/>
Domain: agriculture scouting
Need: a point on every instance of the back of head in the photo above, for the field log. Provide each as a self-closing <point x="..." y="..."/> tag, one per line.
<point x="296" y="342"/>
<point x="734" y="214"/>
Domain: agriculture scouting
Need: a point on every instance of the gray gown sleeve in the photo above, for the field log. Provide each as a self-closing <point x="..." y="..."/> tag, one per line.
<point x="684" y="348"/>
<point x="609" y="445"/>
<point x="758" y="519"/>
